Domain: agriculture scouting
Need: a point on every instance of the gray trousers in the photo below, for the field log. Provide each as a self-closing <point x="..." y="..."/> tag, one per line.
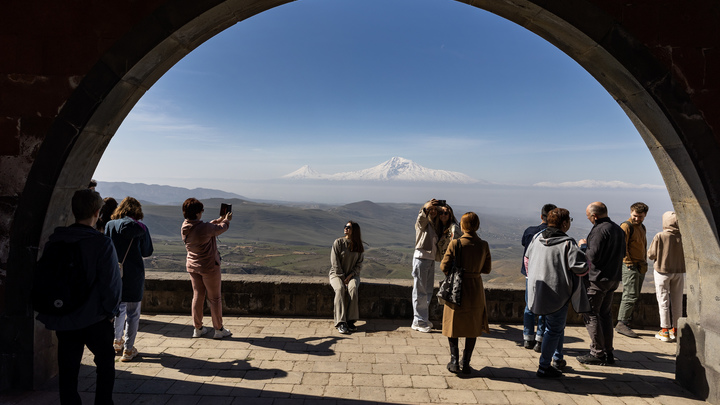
<point x="346" y="299"/>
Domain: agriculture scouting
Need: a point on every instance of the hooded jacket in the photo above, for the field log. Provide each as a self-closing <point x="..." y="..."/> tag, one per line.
<point x="201" y="244"/>
<point x="554" y="262"/>
<point x="132" y="238"/>
<point x="666" y="247"/>
<point x="101" y="264"/>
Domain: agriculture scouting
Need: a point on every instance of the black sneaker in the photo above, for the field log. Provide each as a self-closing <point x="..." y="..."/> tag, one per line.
<point x="609" y="358"/>
<point x="528" y="344"/>
<point x="342" y="328"/>
<point x="559" y="364"/>
<point x="538" y="347"/>
<point x="590" y="359"/>
<point x="351" y="326"/>
<point x="550" y="372"/>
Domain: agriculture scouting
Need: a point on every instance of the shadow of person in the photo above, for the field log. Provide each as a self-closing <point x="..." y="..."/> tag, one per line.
<point x="239" y="368"/>
<point x="292" y="345"/>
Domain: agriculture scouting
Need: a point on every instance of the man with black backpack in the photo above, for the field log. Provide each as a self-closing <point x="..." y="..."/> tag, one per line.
<point x="634" y="266"/>
<point x="77" y="293"/>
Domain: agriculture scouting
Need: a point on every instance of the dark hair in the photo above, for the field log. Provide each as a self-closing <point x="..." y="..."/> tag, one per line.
<point x="356" y="242"/>
<point x="640" y="208"/>
<point x="92" y="184"/>
<point x="470" y="222"/>
<point x="109" y="206"/>
<point x="191" y="208"/>
<point x="85" y="203"/>
<point x="129" y="207"/>
<point x="546" y="209"/>
<point x="557" y="217"/>
<point x="439" y="226"/>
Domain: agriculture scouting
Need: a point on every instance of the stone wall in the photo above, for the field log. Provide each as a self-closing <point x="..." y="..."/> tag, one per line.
<point x="313" y="297"/>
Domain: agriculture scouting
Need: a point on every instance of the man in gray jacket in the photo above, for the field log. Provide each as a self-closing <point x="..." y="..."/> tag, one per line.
<point x="91" y="324"/>
<point x="423" y="270"/>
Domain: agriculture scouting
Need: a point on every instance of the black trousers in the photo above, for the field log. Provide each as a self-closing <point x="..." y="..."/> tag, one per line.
<point x="599" y="322"/>
<point x="71" y="344"/>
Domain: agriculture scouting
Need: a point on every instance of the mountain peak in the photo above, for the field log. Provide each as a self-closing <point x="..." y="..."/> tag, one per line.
<point x="394" y="169"/>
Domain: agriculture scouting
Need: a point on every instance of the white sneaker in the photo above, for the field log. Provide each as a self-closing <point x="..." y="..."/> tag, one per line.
<point x="118" y="345"/>
<point x="221" y="333"/>
<point x="423" y="329"/>
<point x="199" y="332"/>
<point x="129" y="354"/>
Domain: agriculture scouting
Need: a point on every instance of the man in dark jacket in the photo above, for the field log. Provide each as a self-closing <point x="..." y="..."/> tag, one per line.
<point x="92" y="323"/>
<point x="531" y="340"/>
<point x="605" y="249"/>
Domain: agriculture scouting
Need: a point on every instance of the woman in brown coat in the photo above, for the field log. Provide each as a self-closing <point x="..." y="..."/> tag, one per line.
<point x="470" y="319"/>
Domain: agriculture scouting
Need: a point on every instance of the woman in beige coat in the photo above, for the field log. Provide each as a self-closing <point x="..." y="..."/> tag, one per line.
<point x="470" y="319"/>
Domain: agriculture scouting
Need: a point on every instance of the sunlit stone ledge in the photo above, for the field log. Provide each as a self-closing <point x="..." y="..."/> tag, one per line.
<point x="268" y="295"/>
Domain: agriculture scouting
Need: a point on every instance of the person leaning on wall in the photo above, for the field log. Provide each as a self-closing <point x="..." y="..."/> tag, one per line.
<point x="346" y="259"/>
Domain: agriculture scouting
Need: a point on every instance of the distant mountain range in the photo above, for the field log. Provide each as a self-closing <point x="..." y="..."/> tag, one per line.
<point x="395" y="169"/>
<point x="158" y="194"/>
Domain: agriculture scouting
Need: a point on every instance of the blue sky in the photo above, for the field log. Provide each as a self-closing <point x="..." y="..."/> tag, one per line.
<point x="345" y="85"/>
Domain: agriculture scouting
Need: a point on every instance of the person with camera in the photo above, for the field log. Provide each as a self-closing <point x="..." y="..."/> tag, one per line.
<point x="203" y="264"/>
<point x="423" y="264"/>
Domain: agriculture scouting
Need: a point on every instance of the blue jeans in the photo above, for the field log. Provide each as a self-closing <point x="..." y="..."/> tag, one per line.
<point x="552" y="344"/>
<point x="128" y="320"/>
<point x="529" y="322"/>
<point x="423" y="273"/>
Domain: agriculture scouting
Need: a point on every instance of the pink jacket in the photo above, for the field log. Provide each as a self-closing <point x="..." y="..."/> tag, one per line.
<point x="201" y="244"/>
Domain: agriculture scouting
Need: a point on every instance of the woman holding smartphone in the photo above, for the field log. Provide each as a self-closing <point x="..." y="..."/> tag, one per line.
<point x="203" y="264"/>
<point x="346" y="259"/>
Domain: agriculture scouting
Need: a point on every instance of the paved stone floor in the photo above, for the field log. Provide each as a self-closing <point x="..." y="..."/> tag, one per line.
<point x="305" y="361"/>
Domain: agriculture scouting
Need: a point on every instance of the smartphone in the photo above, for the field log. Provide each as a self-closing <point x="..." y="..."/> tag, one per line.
<point x="225" y="208"/>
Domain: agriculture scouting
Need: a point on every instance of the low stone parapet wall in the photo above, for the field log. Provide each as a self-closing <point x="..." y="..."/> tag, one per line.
<point x="261" y="295"/>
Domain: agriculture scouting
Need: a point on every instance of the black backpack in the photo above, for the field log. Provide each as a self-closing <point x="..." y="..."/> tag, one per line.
<point x="60" y="284"/>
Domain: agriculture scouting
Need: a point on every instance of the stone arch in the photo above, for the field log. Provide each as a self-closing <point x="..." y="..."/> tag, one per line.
<point x="679" y="138"/>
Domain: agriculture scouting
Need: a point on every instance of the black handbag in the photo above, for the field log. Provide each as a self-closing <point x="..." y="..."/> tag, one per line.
<point x="451" y="288"/>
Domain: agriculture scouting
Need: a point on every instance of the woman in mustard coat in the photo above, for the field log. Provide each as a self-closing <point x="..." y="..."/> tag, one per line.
<point x="470" y="319"/>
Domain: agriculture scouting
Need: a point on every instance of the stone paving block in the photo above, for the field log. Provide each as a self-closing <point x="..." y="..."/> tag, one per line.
<point x="152" y="399"/>
<point x="371" y="394"/>
<point x="185" y="399"/>
<point x="523" y="397"/>
<point x="213" y="389"/>
<point x="357" y="357"/>
<point x="292" y="377"/>
<point x="154" y="386"/>
<point x="397" y="381"/>
<point x="504" y="385"/>
<point x="377" y="349"/>
<point x="277" y="390"/>
<point x="428" y="381"/>
<point x="340" y="379"/>
<point x="310" y="390"/>
<point x="330" y="367"/>
<point x="361" y="368"/>
<point x="404" y="350"/>
<point x="387" y="368"/>
<point x="421" y="359"/>
<point x="455" y="396"/>
<point x="391" y="358"/>
<point x="183" y="388"/>
<point x="367" y="380"/>
<point x="407" y="395"/>
<point x="342" y="391"/>
<point x="490" y="397"/>
<point x="552" y="398"/>
<point x="414" y="369"/>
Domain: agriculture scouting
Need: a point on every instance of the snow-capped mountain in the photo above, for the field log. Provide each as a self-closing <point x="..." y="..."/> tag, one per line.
<point x="395" y="169"/>
<point x="305" y="172"/>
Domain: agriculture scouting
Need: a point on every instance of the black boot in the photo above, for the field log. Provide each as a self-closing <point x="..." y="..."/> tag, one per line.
<point x="467" y="355"/>
<point x="454" y="366"/>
